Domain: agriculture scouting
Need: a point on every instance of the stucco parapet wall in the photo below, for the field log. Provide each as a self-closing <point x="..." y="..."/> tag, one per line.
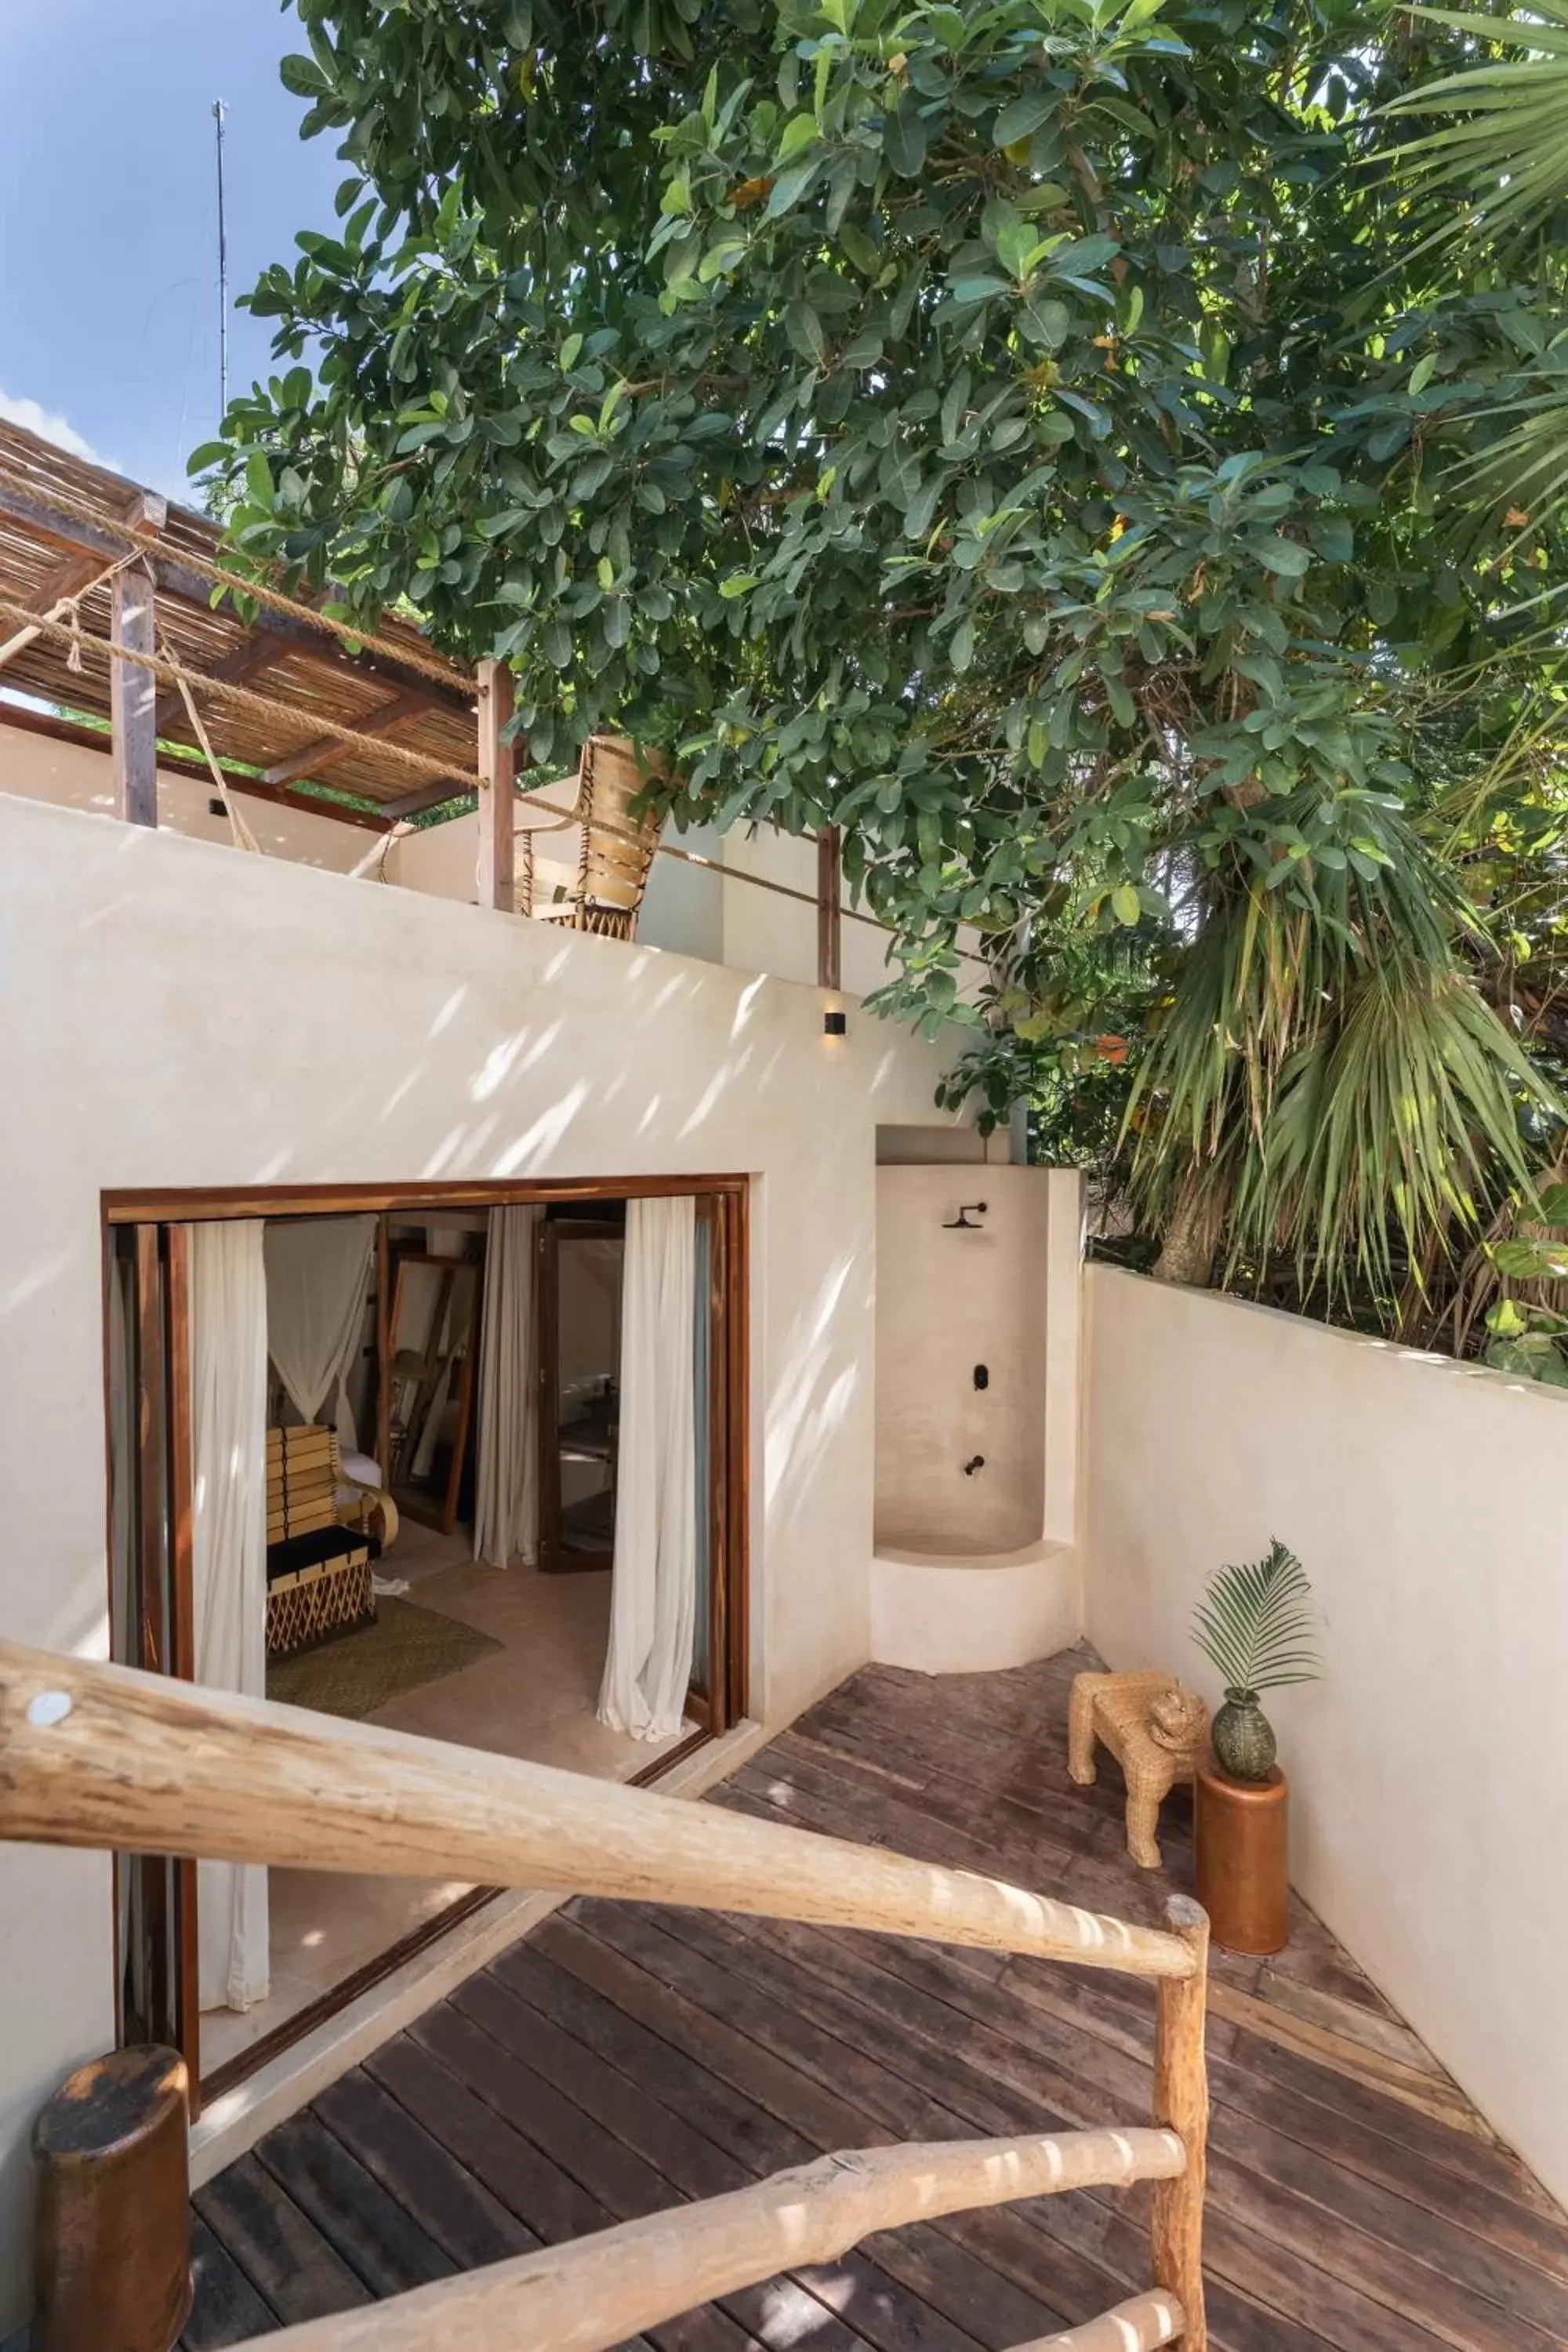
<point x="238" y="871"/>
<point x="1427" y="1764"/>
<point x="728" y="910"/>
<point x="1294" y="1328"/>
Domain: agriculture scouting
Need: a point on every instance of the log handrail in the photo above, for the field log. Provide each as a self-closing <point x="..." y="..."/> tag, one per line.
<point x="1141" y="2325"/>
<point x="94" y="1755"/>
<point x="112" y="1757"/>
<point x="598" y="2291"/>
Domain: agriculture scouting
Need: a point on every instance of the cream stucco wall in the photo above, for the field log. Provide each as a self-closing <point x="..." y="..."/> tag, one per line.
<point x="179" y="1014"/>
<point x="688" y="909"/>
<point x="70" y="775"/>
<point x="682" y="907"/>
<point x="1429" y="1769"/>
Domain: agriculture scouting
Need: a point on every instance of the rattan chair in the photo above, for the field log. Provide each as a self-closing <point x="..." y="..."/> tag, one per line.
<point x="616" y="849"/>
<point x="325" y="1531"/>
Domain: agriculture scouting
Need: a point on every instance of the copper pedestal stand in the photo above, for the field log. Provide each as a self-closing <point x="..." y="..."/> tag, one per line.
<point x="1241" y="1837"/>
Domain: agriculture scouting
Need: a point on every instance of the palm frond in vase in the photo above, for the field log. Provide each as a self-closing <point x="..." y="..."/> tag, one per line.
<point x="1256" y="1621"/>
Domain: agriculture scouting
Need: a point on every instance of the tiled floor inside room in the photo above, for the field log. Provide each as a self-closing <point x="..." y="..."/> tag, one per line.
<point x="535" y="1698"/>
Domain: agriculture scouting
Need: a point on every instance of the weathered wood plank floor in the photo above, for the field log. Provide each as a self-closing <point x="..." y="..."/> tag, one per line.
<point x="622" y="2059"/>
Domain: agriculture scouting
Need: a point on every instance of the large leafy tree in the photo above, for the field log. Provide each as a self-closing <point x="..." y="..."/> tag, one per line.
<point x="1014" y="432"/>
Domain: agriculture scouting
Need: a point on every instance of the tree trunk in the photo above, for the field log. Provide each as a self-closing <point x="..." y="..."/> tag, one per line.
<point x="1191" y="1235"/>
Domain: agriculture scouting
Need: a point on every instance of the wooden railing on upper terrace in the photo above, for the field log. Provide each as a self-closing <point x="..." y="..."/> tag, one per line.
<point x="108" y="1757"/>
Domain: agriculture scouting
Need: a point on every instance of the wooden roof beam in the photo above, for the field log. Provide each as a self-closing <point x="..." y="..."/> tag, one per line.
<point x="176" y="579"/>
<point x="73" y="574"/>
<point x="313" y="757"/>
<point x="258" y="652"/>
<point x="424" y="796"/>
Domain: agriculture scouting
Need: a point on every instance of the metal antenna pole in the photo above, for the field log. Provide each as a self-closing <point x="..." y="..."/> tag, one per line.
<point x="219" y="110"/>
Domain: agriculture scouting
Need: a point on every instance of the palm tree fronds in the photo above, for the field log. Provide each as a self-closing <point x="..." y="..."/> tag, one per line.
<point x="1256" y="1621"/>
<point x="1528" y="469"/>
<point x="1503" y="141"/>
<point x="1335" y="1085"/>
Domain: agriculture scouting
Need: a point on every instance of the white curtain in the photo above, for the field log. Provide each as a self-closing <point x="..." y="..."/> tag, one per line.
<point x="653" y="1593"/>
<point x="228" y="1427"/>
<point x="318" y="1270"/>
<point x="506" y="1501"/>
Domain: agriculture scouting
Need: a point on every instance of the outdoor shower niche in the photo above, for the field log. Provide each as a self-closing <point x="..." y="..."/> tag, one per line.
<point x="976" y="1414"/>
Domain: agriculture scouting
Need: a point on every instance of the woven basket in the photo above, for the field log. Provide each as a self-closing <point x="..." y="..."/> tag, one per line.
<point x="318" y="1604"/>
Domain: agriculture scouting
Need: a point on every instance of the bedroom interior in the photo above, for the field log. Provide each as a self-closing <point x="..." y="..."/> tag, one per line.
<point x="465" y="1462"/>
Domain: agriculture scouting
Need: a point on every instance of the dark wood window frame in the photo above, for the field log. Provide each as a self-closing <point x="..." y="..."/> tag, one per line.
<point x="162" y="1578"/>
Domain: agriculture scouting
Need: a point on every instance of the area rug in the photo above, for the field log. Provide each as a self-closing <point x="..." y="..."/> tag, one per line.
<point x="406" y="1646"/>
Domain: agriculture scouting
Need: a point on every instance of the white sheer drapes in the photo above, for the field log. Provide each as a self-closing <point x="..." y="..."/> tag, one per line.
<point x="653" y="1591"/>
<point x="318" y="1270"/>
<point x="228" y="1428"/>
<point x="506" y="1500"/>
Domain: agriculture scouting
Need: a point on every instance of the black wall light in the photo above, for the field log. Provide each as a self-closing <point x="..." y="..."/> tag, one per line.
<point x="834" y="1024"/>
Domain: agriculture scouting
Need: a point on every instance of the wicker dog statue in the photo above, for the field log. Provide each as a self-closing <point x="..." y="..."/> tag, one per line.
<point x="1154" y="1728"/>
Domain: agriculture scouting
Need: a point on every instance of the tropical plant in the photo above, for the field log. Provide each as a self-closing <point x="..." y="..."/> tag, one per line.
<point x="1256" y="1624"/>
<point x="1527" y="1329"/>
<point x="1494" y="171"/>
<point x="1008" y="432"/>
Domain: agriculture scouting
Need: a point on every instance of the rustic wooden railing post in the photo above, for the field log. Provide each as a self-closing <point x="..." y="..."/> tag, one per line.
<point x="124" y="1760"/>
<point x="498" y="767"/>
<point x="829" y="914"/>
<point x="1182" y="2102"/>
<point x="132" y="698"/>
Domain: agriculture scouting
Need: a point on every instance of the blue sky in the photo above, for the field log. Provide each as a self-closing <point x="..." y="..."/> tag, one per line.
<point x="107" y="228"/>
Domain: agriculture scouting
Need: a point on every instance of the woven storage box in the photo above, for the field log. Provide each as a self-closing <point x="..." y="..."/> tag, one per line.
<point x="319" y="1602"/>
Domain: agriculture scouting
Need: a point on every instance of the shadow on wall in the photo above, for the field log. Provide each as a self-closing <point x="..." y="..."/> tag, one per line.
<point x="391" y="1048"/>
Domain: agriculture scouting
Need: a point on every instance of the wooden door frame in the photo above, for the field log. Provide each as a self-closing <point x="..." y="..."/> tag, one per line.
<point x="724" y="1702"/>
<point x="176" y="1209"/>
<point x="730" y="1557"/>
<point x="161" y="1591"/>
<point x="173" y="1204"/>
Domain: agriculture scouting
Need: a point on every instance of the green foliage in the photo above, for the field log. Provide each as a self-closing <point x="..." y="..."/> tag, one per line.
<point x="1372" y="1101"/>
<point x="1256" y="1623"/>
<point x="1494" y="173"/>
<point x="1013" y="432"/>
<point x="1528" y="1340"/>
<point x="1529" y="1336"/>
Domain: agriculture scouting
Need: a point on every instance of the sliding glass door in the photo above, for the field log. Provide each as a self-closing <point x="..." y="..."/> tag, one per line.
<point x="151" y="1519"/>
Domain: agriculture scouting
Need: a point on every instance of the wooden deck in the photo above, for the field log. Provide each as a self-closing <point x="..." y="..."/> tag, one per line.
<point x="623" y="2059"/>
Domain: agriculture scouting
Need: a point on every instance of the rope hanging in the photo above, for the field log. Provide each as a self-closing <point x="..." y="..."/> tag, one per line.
<point x="371" y="866"/>
<point x="58" y="611"/>
<point x="241" y="831"/>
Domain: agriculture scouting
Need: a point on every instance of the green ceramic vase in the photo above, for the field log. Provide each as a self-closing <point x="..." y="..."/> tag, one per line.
<point x="1243" y="1738"/>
